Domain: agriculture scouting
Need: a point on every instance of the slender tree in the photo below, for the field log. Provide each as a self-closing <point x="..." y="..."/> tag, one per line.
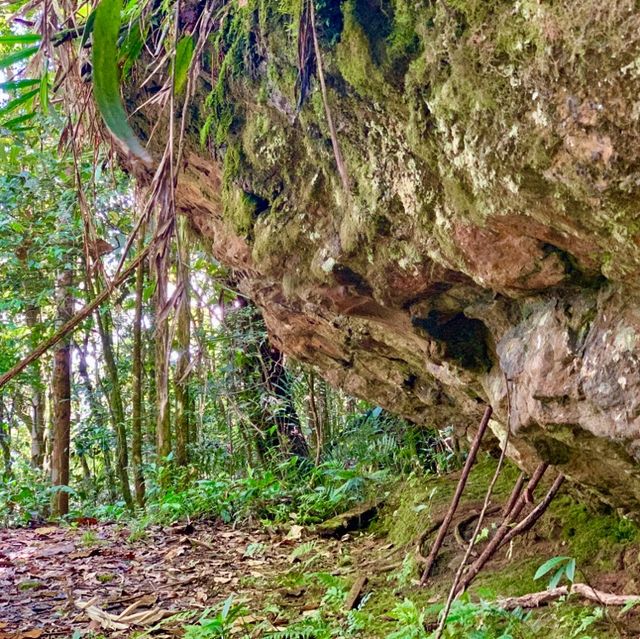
<point x="61" y="399"/>
<point x="104" y="322"/>
<point x="137" y="389"/>
<point x="184" y="409"/>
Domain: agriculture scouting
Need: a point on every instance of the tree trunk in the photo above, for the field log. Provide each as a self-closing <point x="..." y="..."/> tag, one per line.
<point x="37" y="424"/>
<point x="137" y="391"/>
<point x="117" y="407"/>
<point x="5" y="438"/>
<point x="61" y="399"/>
<point x="184" y="411"/>
<point x="278" y="382"/>
<point x="315" y="417"/>
<point x="99" y="415"/>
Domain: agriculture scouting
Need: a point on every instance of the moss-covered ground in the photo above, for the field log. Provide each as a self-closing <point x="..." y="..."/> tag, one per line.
<point x="308" y="596"/>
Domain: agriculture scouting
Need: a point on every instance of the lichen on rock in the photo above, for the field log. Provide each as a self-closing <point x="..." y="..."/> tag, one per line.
<point x="490" y="237"/>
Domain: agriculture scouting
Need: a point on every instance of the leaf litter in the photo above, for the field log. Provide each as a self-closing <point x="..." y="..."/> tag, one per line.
<point x="55" y="581"/>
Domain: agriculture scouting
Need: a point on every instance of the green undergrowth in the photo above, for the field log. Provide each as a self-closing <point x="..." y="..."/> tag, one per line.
<point x="307" y="598"/>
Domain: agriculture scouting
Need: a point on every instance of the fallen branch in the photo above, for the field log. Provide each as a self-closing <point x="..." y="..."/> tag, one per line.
<point x="355" y="593"/>
<point x="126" y="618"/>
<point x="437" y="544"/>
<point x="537" y="599"/>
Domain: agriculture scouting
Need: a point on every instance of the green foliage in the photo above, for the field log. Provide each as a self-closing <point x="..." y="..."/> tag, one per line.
<point x="485" y="621"/>
<point x="410" y="621"/>
<point x="219" y="625"/>
<point x="24" y="497"/>
<point x="563" y="567"/>
<point x="184" y="55"/>
<point x="106" y="83"/>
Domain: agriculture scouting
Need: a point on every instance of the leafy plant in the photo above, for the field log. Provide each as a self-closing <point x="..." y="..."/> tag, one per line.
<point x="220" y="625"/>
<point x="564" y="567"/>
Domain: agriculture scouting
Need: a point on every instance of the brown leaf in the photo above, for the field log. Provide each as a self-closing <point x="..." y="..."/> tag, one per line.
<point x="33" y="634"/>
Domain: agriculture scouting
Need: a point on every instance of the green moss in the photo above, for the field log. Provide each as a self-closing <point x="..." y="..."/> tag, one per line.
<point x="354" y="58"/>
<point x="593" y="538"/>
<point x="239" y="209"/>
<point x="403" y="41"/>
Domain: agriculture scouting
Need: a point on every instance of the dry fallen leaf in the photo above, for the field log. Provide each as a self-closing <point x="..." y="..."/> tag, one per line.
<point x="33" y="634"/>
<point x="295" y="532"/>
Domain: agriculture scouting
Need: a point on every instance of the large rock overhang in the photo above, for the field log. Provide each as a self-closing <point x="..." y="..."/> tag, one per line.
<point x="490" y="238"/>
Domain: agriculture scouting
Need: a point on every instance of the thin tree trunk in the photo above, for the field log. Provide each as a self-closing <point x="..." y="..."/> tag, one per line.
<point x="99" y="415"/>
<point x="314" y="417"/>
<point x="61" y="393"/>
<point x="136" y="418"/>
<point x="161" y="339"/>
<point x="5" y="438"/>
<point x="277" y="381"/>
<point x="183" y="338"/>
<point x="37" y="425"/>
<point x="117" y="407"/>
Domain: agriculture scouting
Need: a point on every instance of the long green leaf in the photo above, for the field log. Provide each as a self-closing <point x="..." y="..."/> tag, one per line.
<point x="548" y="566"/>
<point x="23" y="38"/>
<point x="88" y="28"/>
<point x="106" y="87"/>
<point x="17" y="56"/>
<point x="16" y="102"/>
<point x="18" y="84"/>
<point x="184" y="55"/>
<point x="15" y="122"/>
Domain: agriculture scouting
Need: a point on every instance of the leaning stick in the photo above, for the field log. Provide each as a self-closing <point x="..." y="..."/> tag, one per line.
<point x="476" y="531"/>
<point x="69" y="326"/>
<point x="437" y="544"/>
<point x="528" y="522"/>
<point x="515" y="493"/>
<point x="502" y="531"/>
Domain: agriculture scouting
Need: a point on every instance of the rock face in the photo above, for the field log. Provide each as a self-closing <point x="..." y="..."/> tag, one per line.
<point x="490" y="236"/>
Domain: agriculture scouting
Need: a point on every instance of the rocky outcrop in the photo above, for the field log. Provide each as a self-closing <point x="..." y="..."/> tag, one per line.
<point x="490" y="236"/>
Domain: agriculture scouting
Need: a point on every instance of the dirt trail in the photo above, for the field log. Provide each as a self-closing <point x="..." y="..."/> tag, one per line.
<point x="46" y="573"/>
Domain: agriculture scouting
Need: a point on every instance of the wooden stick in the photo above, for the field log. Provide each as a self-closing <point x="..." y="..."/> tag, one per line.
<point x="503" y="529"/>
<point x="528" y="522"/>
<point x="476" y="531"/>
<point x="355" y="593"/>
<point x="537" y="599"/>
<point x="437" y="544"/>
<point x="515" y="493"/>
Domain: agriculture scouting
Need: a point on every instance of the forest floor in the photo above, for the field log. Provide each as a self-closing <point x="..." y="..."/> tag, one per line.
<point x="97" y="579"/>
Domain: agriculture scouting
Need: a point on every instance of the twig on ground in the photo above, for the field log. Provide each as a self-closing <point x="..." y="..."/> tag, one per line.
<point x="537" y="599"/>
